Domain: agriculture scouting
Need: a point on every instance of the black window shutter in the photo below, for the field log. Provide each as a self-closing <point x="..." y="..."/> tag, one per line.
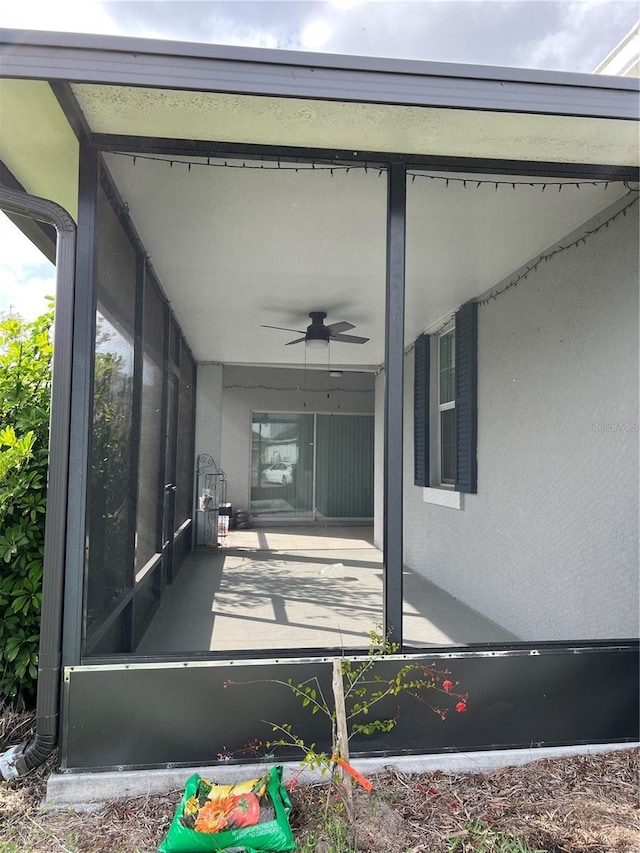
<point x="421" y="411"/>
<point x="467" y="398"/>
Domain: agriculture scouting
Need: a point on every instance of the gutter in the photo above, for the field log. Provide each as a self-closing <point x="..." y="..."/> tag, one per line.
<point x="19" y="760"/>
<point x="140" y="47"/>
<point x="158" y="64"/>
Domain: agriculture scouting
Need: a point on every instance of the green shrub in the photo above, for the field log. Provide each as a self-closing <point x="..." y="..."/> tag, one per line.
<point x="25" y="378"/>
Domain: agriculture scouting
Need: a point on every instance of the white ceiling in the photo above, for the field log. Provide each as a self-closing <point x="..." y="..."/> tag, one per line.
<point x="235" y="248"/>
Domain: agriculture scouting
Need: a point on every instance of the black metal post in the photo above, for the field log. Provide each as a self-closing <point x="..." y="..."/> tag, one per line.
<point x="81" y="404"/>
<point x="393" y="401"/>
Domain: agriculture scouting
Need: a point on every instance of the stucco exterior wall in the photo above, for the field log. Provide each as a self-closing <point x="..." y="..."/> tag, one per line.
<point x="209" y="410"/>
<point x="253" y="389"/>
<point x="548" y="547"/>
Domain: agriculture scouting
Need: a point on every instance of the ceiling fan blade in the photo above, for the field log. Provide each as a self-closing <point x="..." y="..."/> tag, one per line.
<point x="297" y="341"/>
<point x="345" y="371"/>
<point x="336" y="328"/>
<point x="349" y="339"/>
<point x="282" y="329"/>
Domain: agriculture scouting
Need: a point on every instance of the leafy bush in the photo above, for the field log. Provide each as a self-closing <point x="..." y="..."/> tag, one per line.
<point x="25" y="375"/>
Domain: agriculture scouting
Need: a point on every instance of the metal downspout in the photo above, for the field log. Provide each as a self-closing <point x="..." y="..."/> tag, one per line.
<point x="18" y="760"/>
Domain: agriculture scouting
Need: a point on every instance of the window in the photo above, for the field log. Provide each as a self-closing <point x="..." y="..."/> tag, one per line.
<point x="456" y="400"/>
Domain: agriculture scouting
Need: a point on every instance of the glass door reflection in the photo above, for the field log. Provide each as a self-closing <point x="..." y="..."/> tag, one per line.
<point x="282" y="465"/>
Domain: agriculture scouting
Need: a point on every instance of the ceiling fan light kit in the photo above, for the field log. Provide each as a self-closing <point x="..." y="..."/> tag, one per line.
<point x="316" y="343"/>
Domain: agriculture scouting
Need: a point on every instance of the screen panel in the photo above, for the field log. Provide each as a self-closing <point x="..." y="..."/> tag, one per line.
<point x="109" y="568"/>
<point x="186" y="429"/>
<point x="150" y="484"/>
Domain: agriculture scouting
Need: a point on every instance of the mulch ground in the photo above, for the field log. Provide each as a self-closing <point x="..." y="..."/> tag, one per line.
<point x="581" y="804"/>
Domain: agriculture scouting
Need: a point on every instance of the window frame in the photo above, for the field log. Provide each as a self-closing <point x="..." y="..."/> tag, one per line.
<point x="450" y="405"/>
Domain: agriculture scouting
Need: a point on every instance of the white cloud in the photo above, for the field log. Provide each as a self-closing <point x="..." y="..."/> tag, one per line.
<point x="562" y="34"/>
<point x="77" y="16"/>
<point x="587" y="31"/>
<point x="315" y="35"/>
<point x="345" y="4"/>
<point x="26" y="276"/>
<point x="219" y="32"/>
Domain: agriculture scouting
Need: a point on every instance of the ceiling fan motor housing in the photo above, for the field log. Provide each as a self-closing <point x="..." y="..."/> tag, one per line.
<point x="317" y="331"/>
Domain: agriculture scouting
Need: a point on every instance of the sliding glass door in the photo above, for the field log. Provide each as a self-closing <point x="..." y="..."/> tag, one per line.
<point x="282" y="465"/>
<point x="310" y="466"/>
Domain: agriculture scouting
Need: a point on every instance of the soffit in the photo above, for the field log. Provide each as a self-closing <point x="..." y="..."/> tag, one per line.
<point x="171" y="114"/>
<point x="36" y="142"/>
<point x="235" y="248"/>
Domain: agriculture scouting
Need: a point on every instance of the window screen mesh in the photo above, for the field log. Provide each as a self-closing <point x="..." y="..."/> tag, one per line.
<point x="186" y="464"/>
<point x="110" y="479"/>
<point x="150" y="485"/>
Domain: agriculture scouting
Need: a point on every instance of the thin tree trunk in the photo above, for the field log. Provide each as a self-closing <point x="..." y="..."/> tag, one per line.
<point x="341" y="746"/>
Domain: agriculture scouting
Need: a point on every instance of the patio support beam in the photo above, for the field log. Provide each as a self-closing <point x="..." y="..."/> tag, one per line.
<point x="393" y="401"/>
<point x="81" y="403"/>
<point x="151" y="145"/>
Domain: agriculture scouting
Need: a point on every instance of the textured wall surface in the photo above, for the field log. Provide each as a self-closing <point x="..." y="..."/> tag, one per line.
<point x="209" y="410"/>
<point x="262" y="389"/>
<point x="548" y="547"/>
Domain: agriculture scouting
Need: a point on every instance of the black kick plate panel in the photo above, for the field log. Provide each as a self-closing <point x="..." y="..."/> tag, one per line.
<point x="155" y="715"/>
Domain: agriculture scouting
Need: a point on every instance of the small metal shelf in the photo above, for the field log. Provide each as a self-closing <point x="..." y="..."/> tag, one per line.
<point x="212" y="510"/>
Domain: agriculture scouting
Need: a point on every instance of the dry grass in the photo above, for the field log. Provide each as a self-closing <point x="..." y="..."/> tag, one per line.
<point x="564" y="805"/>
<point x="580" y="804"/>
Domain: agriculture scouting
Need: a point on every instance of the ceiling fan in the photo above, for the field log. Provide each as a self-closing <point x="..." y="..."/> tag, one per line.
<point x="317" y="335"/>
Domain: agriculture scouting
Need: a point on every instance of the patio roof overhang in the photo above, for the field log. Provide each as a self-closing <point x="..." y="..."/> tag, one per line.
<point x="284" y="251"/>
<point x="265" y="97"/>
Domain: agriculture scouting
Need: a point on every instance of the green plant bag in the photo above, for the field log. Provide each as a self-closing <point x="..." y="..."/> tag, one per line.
<point x="252" y="817"/>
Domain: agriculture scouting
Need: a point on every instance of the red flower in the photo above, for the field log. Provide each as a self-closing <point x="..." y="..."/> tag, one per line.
<point x="461" y="707"/>
<point x="447" y="685"/>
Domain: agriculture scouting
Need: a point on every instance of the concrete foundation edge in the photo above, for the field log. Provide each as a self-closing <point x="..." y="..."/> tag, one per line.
<point x="91" y="790"/>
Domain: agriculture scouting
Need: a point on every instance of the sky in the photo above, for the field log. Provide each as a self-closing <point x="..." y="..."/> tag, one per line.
<point x="566" y="35"/>
<point x="26" y="276"/>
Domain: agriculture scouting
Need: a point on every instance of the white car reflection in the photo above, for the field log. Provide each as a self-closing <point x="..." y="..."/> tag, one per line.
<point x="278" y="472"/>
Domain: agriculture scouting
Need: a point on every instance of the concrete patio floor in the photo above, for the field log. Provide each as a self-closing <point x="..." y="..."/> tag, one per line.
<point x="302" y="587"/>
